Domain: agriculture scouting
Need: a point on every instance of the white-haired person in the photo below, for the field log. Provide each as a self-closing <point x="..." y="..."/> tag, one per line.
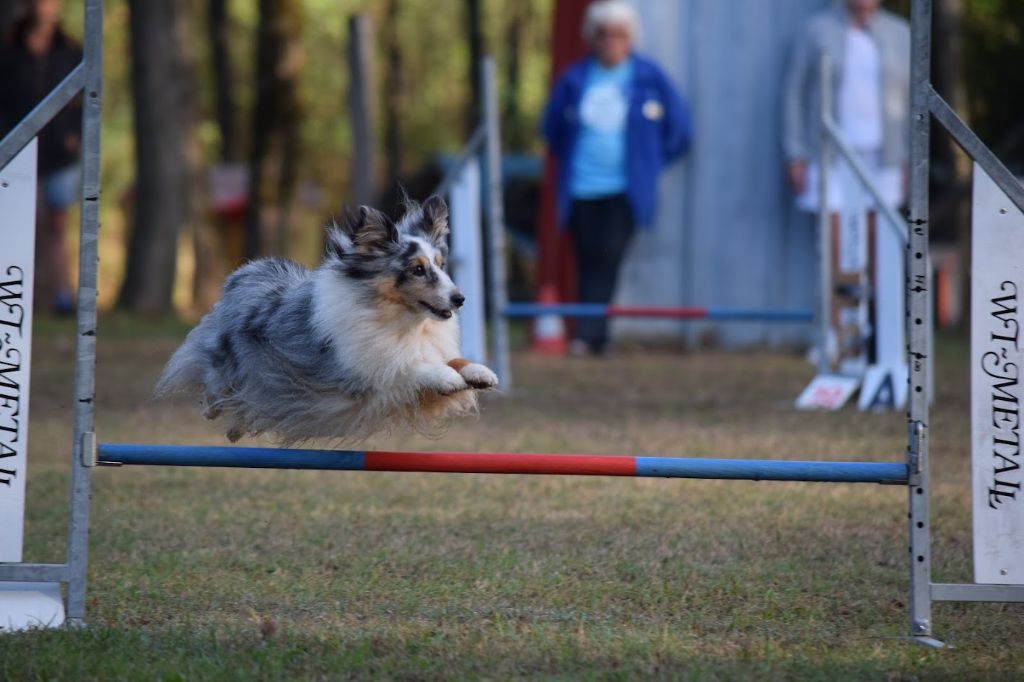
<point x="613" y="122"/>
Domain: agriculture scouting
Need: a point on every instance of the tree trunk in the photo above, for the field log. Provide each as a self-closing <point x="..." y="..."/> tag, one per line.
<point x="209" y="240"/>
<point x="223" y="83"/>
<point x="360" y="104"/>
<point x="275" y="117"/>
<point x="475" y="39"/>
<point x="288" y="171"/>
<point x="511" y="120"/>
<point x="7" y="17"/>
<point x="392" y="92"/>
<point x="162" y="88"/>
<point x="948" y="77"/>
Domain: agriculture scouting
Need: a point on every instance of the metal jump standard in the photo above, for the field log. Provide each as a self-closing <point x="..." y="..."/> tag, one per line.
<point x="911" y="472"/>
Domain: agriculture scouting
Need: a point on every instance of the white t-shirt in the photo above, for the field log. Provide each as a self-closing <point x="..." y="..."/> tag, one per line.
<point x="860" y="92"/>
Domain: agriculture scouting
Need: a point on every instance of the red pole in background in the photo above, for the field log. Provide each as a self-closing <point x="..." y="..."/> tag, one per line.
<point x="556" y="272"/>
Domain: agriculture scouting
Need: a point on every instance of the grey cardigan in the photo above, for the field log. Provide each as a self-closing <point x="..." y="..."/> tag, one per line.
<point x="825" y="33"/>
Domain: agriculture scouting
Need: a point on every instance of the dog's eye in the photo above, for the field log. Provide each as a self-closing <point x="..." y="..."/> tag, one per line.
<point x="419" y="270"/>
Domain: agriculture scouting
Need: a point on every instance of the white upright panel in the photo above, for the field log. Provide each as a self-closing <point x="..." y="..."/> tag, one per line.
<point x="30" y="605"/>
<point x="466" y="259"/>
<point x="17" y="256"/>
<point x="890" y="294"/>
<point x="853" y="259"/>
<point x="997" y="283"/>
<point x="853" y="223"/>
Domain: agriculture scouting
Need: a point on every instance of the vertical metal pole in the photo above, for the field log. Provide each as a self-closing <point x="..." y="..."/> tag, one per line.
<point x="497" y="296"/>
<point x="360" y="101"/>
<point x="824" y="222"/>
<point x="85" y="348"/>
<point x="919" y="323"/>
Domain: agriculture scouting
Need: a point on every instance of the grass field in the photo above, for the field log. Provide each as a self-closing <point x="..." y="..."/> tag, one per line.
<point x="234" y="574"/>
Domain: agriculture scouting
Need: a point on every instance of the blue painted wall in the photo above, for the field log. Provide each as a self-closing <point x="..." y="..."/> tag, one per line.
<point x="726" y="233"/>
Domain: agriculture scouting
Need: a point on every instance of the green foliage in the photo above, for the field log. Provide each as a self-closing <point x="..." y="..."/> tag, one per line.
<point x="994" y="40"/>
<point x="435" y="98"/>
<point x="992" y="32"/>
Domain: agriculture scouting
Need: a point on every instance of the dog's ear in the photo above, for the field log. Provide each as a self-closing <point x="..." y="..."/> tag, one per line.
<point x="371" y="230"/>
<point x="338" y="242"/>
<point x="435" y="219"/>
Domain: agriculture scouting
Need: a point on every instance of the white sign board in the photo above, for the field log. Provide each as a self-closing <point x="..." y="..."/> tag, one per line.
<point x="997" y="274"/>
<point x="17" y="258"/>
<point x="467" y="258"/>
<point x="827" y="392"/>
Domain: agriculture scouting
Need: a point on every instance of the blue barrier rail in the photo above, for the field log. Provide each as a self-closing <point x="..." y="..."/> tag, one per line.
<point x="503" y="463"/>
<point x="664" y="312"/>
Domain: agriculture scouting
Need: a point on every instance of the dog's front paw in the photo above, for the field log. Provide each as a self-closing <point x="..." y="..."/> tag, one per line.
<point x="443" y="380"/>
<point x="479" y="376"/>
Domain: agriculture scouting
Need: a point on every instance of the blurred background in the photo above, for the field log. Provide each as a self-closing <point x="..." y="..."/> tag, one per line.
<point x="250" y="109"/>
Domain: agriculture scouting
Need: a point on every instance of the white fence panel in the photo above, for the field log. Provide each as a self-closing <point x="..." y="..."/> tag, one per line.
<point x="467" y="258"/>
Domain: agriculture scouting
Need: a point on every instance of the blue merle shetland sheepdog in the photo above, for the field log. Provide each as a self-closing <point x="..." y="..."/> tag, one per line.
<point x="366" y="342"/>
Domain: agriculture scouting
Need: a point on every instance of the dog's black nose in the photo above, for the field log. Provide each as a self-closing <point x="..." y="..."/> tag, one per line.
<point x="457" y="300"/>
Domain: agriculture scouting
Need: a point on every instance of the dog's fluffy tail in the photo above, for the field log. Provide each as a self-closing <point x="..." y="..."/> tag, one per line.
<point x="184" y="371"/>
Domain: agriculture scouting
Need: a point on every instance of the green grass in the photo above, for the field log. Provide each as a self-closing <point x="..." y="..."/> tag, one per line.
<point x="234" y="574"/>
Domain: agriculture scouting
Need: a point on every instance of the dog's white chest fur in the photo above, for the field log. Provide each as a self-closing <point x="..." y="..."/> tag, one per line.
<point x="383" y="344"/>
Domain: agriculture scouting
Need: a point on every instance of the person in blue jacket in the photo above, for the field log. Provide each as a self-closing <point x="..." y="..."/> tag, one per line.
<point x="613" y="122"/>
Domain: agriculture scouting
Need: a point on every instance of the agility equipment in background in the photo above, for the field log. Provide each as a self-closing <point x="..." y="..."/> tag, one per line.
<point x="996" y="390"/>
<point x="860" y="325"/>
<point x="861" y="310"/>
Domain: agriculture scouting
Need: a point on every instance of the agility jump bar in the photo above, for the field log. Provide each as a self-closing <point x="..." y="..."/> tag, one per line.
<point x="664" y="312"/>
<point x="502" y="463"/>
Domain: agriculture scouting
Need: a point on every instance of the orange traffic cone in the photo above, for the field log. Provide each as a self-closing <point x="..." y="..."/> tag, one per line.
<point x="549" y="330"/>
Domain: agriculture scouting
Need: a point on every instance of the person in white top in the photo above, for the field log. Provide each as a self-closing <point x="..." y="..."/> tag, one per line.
<point x="869" y="53"/>
<point x="860" y="91"/>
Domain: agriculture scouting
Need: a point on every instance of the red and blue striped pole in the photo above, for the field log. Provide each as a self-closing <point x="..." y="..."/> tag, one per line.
<point x="503" y="463"/>
<point x="664" y="312"/>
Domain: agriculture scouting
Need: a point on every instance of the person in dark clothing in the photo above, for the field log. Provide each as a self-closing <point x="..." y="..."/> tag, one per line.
<point x="613" y="122"/>
<point x="35" y="57"/>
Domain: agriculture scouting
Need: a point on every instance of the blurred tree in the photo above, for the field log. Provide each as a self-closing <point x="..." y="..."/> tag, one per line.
<point x="275" y="120"/>
<point x="162" y="90"/>
<point x="360" y="104"/>
<point x="210" y="237"/>
<point x="393" y="89"/>
<point x="223" y="82"/>
<point x="951" y="217"/>
<point x="475" y="40"/>
<point x="977" y="39"/>
<point x="511" y="114"/>
<point x="993" y="38"/>
<point x="428" y="93"/>
<point x="8" y="10"/>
